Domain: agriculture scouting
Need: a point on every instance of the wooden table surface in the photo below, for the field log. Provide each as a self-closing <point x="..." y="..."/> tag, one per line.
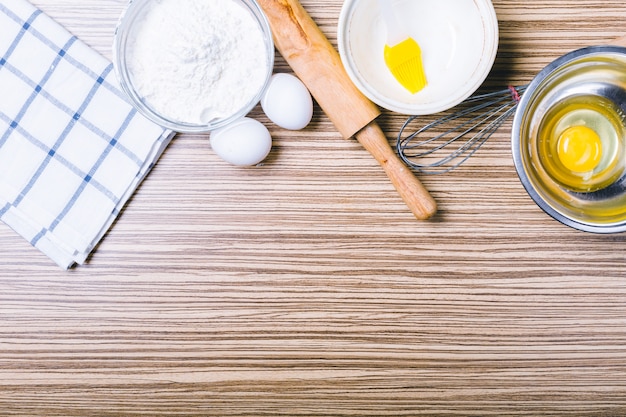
<point x="305" y="286"/>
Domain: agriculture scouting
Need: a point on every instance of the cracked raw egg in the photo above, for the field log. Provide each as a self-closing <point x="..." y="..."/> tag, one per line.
<point x="579" y="149"/>
<point x="581" y="143"/>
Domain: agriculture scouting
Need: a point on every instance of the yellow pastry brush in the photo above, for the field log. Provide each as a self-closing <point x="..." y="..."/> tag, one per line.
<point x="403" y="55"/>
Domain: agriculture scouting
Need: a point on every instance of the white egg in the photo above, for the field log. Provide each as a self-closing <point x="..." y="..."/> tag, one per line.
<point x="287" y="102"/>
<point x="244" y="142"/>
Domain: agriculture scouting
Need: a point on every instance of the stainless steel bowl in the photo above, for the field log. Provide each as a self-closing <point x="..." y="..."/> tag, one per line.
<point x="597" y="73"/>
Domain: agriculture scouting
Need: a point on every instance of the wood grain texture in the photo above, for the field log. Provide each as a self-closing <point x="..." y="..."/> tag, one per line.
<point x="304" y="287"/>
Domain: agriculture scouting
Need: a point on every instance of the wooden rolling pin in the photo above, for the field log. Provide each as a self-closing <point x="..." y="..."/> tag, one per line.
<point x="314" y="60"/>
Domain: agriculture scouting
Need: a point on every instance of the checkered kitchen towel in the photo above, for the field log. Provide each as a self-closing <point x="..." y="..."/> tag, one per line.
<point x="72" y="149"/>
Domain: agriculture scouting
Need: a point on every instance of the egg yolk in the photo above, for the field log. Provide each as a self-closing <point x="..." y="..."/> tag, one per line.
<point x="580" y="149"/>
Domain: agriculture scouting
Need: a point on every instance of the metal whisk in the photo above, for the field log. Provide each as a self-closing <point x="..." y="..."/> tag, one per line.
<point x="478" y="116"/>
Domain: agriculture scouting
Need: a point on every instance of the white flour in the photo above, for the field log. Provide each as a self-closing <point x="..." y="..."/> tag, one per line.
<point x="196" y="60"/>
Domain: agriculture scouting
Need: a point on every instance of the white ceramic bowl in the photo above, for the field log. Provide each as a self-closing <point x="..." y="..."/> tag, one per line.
<point x="459" y="42"/>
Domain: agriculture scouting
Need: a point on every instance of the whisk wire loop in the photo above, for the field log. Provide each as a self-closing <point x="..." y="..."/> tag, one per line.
<point x="481" y="114"/>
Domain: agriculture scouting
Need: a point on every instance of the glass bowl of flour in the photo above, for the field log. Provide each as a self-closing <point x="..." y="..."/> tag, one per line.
<point x="193" y="65"/>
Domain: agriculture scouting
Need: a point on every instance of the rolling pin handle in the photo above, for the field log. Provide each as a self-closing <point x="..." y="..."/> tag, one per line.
<point x="415" y="196"/>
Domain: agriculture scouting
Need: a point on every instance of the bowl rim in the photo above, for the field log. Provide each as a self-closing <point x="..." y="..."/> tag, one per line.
<point x="134" y="7"/>
<point x="518" y="160"/>
<point x="490" y="25"/>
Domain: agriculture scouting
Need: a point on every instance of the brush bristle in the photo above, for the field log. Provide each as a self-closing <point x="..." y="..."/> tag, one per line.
<point x="411" y="75"/>
<point x="404" y="60"/>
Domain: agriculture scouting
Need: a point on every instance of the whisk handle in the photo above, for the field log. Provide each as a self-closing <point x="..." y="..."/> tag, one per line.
<point x="415" y="196"/>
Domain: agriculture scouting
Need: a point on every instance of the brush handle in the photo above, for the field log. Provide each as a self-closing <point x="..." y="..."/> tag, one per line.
<point x="395" y="31"/>
<point x="314" y="60"/>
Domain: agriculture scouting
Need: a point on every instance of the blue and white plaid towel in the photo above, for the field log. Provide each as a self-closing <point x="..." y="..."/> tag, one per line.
<point x="72" y="148"/>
